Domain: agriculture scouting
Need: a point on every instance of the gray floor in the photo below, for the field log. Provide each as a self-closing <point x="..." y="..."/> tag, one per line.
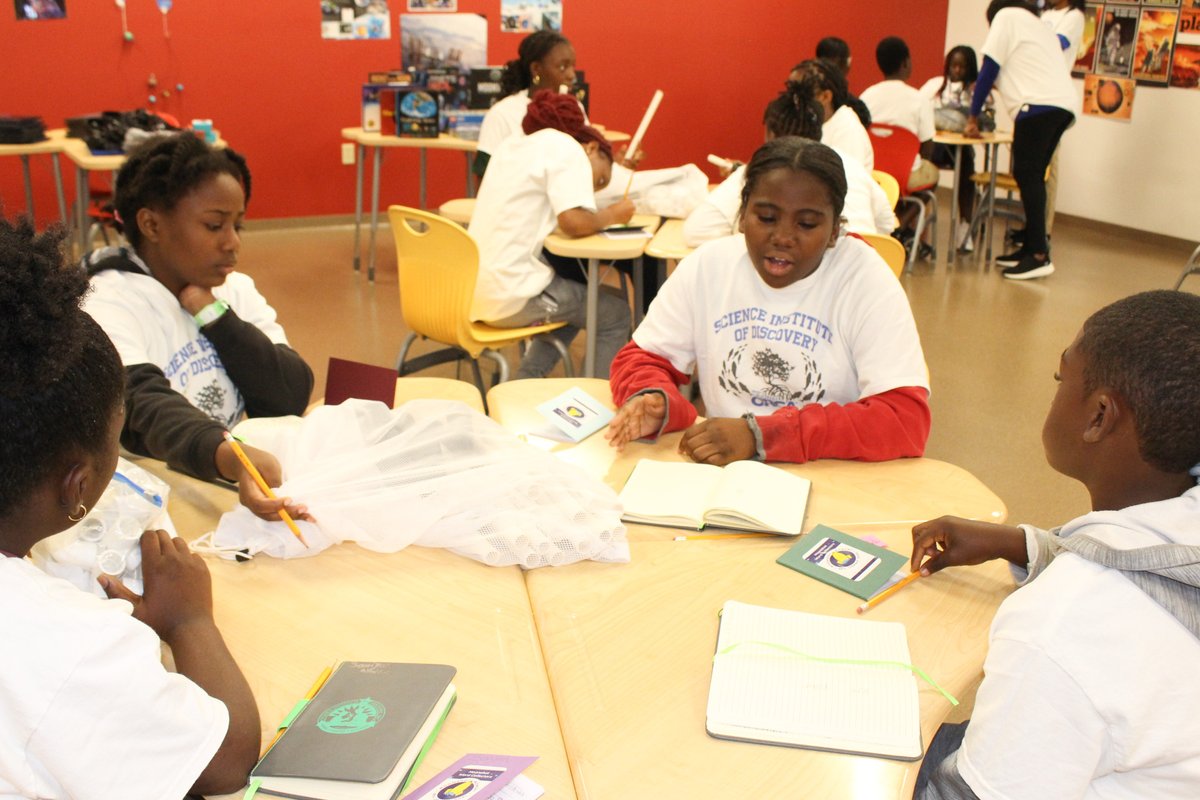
<point x="992" y="345"/>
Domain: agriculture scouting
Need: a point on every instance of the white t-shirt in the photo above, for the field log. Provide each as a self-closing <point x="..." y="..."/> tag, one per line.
<point x="1066" y="22"/>
<point x="866" y="208"/>
<point x="86" y="708"/>
<point x="505" y="119"/>
<point x="1090" y="686"/>
<point x="894" y="102"/>
<point x="530" y="181"/>
<point x="845" y="133"/>
<point x="148" y="326"/>
<point x="1030" y="56"/>
<point x="843" y="333"/>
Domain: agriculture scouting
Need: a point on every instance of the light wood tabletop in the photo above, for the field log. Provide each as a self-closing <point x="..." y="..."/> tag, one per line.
<point x="668" y="242"/>
<point x="629" y="652"/>
<point x="285" y="621"/>
<point x="854" y="496"/>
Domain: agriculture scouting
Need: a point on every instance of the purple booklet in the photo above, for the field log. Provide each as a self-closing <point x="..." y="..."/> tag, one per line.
<point x="475" y="776"/>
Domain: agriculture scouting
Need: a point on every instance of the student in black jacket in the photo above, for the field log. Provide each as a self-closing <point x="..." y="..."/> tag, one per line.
<point x="200" y="346"/>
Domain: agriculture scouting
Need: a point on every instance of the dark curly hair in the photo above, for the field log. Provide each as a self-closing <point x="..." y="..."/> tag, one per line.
<point x="798" y="155"/>
<point x="1147" y="348"/>
<point x="794" y="114"/>
<point x="819" y="75"/>
<point x="562" y="112"/>
<point x="890" y="54"/>
<point x="162" y="170"/>
<point x="62" y="380"/>
<point x="518" y="73"/>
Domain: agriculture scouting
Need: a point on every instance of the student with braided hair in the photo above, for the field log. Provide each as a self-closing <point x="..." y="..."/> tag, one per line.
<point x="547" y="177"/>
<point x="200" y="345"/>
<point x="867" y="209"/>
<point x="87" y="709"/>
<point x="824" y="82"/>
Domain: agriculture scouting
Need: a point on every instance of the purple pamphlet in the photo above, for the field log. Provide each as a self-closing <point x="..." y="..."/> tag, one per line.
<point x="475" y="776"/>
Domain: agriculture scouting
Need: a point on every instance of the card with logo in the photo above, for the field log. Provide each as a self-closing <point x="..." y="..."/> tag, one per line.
<point x="573" y="416"/>
<point x="843" y="561"/>
<point x="475" y="776"/>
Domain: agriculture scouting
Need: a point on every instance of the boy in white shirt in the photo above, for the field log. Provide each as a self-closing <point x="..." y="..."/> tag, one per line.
<point x="1089" y="687"/>
<point x="893" y="102"/>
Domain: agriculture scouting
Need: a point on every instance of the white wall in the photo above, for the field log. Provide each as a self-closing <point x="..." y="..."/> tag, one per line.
<point x="1143" y="174"/>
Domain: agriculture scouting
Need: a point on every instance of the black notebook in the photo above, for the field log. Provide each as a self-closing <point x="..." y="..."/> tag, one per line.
<point x="361" y="734"/>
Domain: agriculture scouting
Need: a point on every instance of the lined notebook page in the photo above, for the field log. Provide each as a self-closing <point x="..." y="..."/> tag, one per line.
<point x="772" y="695"/>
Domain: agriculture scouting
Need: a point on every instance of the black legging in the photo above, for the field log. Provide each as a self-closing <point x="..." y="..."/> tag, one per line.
<point x="1035" y="137"/>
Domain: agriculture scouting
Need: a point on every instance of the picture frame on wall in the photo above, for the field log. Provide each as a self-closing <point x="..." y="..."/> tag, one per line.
<point x="1085" y="56"/>
<point x="1116" y="38"/>
<point x="1185" y="61"/>
<point x="433" y="5"/>
<point x="37" y="10"/>
<point x="1155" y="40"/>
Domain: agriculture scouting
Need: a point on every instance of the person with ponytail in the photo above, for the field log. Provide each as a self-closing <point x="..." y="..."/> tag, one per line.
<point x="87" y="709"/>
<point x="201" y="346"/>
<point x="545" y="60"/>
<point x="822" y="81"/>
<point x="546" y="178"/>
<point x="867" y="209"/>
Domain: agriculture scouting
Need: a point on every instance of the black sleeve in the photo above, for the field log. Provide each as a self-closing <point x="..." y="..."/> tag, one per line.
<point x="480" y="164"/>
<point x="161" y="423"/>
<point x="273" y="379"/>
<point x="860" y="108"/>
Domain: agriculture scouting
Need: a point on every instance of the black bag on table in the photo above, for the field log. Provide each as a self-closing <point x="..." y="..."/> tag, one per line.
<point x="105" y="132"/>
<point x="21" y="130"/>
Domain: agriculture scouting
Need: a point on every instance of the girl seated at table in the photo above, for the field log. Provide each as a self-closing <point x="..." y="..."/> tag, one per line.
<point x="545" y="60"/>
<point x="802" y="336"/>
<point x="950" y="94"/>
<point x="200" y="345"/>
<point x="86" y="707"/>
<point x="822" y="81"/>
<point x="545" y="178"/>
<point x="867" y="209"/>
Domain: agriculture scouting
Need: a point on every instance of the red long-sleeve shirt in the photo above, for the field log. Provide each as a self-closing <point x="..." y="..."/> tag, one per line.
<point x="891" y="424"/>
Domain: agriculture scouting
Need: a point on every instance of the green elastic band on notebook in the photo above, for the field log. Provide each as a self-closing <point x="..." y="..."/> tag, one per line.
<point x="295" y="712"/>
<point x="412" y="771"/>
<point x="920" y="673"/>
<point x="252" y="789"/>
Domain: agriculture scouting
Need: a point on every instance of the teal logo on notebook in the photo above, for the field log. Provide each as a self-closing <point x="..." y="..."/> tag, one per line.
<point x="354" y="716"/>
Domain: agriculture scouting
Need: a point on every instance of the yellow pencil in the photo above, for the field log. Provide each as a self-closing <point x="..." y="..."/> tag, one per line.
<point x="723" y="536"/>
<point x="316" y="687"/>
<point x="897" y="586"/>
<point x="262" y="484"/>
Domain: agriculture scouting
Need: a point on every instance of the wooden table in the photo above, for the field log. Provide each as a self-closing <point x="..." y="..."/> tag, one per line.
<point x="667" y="246"/>
<point x="628" y="647"/>
<point x="991" y="143"/>
<point x="378" y="142"/>
<point x="854" y="496"/>
<point x="597" y="248"/>
<point x="285" y="621"/>
<point x="51" y="146"/>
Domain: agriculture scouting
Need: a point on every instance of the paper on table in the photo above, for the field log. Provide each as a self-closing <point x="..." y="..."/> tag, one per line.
<point x="768" y="694"/>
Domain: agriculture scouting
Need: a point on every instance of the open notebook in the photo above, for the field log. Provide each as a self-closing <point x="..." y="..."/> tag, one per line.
<point x="744" y="495"/>
<point x="807" y="680"/>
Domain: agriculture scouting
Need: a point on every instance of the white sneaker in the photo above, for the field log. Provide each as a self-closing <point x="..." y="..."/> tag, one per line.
<point x="966" y="244"/>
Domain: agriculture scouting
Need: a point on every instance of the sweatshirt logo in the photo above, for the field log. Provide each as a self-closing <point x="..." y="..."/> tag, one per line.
<point x="768" y="378"/>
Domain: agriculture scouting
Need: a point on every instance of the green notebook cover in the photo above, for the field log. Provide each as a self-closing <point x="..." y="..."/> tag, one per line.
<point x="842" y="561"/>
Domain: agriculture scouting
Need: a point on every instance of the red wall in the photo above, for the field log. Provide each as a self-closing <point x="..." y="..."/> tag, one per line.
<point x="280" y="94"/>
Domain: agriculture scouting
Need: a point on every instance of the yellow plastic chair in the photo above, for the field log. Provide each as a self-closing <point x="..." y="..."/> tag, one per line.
<point x="437" y="268"/>
<point x="888" y="247"/>
<point x="890" y="187"/>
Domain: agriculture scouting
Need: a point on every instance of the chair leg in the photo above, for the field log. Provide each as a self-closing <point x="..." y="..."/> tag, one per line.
<point x="1190" y="268"/>
<point x="568" y="367"/>
<point x="501" y="363"/>
<point x="408" y="340"/>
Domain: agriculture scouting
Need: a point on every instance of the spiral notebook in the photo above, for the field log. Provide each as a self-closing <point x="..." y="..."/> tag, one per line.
<point x="806" y="680"/>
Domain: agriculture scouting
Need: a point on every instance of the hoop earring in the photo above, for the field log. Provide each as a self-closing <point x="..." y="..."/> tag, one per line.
<point x="81" y="512"/>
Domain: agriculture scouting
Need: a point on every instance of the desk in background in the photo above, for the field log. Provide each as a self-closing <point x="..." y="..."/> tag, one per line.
<point x="991" y="143"/>
<point x="597" y="248"/>
<point x="51" y="146"/>
<point x="667" y="245"/>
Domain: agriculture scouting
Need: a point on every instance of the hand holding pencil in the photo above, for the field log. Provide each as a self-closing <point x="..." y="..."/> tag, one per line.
<point x="256" y="472"/>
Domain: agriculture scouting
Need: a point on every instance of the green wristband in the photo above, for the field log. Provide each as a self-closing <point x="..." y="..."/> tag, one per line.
<point x="210" y="313"/>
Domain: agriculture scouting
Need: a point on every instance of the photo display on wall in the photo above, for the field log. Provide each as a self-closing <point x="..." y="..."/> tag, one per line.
<point x="1152" y="42"/>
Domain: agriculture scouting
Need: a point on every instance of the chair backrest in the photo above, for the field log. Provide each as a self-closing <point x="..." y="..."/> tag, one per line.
<point x="437" y="269"/>
<point x="889" y="185"/>
<point x="346" y="379"/>
<point x="888" y="247"/>
<point x="895" y="149"/>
